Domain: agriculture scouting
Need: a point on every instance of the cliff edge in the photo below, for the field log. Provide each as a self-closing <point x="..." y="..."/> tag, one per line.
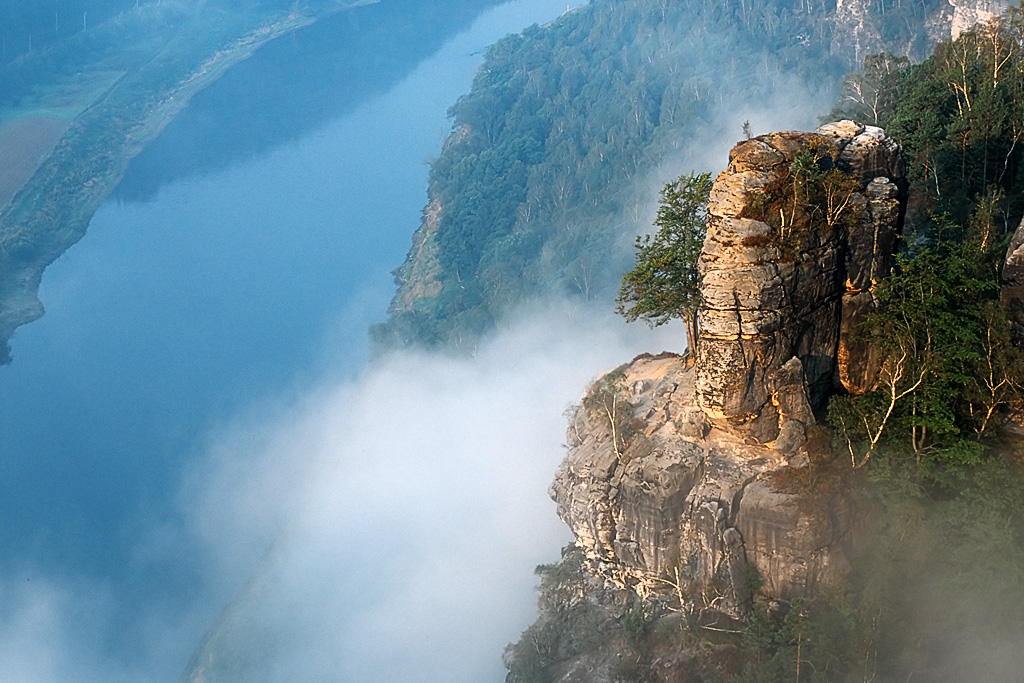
<point x="662" y="501"/>
<point x="675" y="483"/>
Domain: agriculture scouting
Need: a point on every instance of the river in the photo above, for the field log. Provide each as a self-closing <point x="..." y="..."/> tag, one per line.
<point x="226" y="291"/>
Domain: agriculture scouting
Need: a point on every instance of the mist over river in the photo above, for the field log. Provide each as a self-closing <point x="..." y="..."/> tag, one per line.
<point x="228" y="288"/>
<point x="188" y="331"/>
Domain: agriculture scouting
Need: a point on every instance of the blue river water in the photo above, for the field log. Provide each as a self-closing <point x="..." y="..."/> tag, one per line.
<point x="223" y="291"/>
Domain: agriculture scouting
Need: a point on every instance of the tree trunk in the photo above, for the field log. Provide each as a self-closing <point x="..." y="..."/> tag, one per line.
<point x="691" y="336"/>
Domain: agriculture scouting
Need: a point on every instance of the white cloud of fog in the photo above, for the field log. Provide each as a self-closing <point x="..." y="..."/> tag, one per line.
<point x="791" y="106"/>
<point x="411" y="506"/>
<point x="53" y="631"/>
<point x="405" y="511"/>
<point x="450" y="460"/>
<point x="30" y="622"/>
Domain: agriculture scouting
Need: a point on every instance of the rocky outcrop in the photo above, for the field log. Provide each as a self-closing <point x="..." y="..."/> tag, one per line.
<point x="968" y="13"/>
<point x="801" y="226"/>
<point x="1013" y="283"/>
<point x="681" y="496"/>
<point x="859" y="29"/>
<point x="675" y="481"/>
<point x="668" y="502"/>
<point x="861" y="24"/>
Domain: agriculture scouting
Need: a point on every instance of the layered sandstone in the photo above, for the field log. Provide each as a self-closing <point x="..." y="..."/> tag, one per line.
<point x="672" y="481"/>
<point x="788" y="269"/>
<point x="685" y="500"/>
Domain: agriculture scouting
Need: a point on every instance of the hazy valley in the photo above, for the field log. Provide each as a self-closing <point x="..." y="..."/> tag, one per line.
<point x="215" y="474"/>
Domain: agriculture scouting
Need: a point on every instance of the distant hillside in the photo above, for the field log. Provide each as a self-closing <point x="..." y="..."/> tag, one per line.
<point x="78" y="106"/>
<point x="556" y="152"/>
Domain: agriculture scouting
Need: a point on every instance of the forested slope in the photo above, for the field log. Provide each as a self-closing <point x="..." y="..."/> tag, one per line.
<point x="557" y="151"/>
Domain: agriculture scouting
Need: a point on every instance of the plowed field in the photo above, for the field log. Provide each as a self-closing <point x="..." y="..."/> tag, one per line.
<point x="24" y="142"/>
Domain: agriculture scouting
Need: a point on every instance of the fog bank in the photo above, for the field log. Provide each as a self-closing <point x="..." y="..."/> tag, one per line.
<point x="390" y="524"/>
<point x="408" y="508"/>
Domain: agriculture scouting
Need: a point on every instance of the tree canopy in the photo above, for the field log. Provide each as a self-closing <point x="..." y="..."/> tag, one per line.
<point x="546" y="169"/>
<point x="958" y="114"/>
<point x="949" y="369"/>
<point x="664" y="283"/>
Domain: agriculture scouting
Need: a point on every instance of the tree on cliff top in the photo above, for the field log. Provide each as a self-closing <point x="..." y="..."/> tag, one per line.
<point x="664" y="283"/>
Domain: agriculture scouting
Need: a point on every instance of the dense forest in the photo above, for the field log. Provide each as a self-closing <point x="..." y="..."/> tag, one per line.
<point x="557" y="151"/>
<point x="960" y="118"/>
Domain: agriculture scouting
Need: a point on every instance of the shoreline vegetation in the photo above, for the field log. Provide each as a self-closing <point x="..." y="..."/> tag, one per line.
<point x="94" y="102"/>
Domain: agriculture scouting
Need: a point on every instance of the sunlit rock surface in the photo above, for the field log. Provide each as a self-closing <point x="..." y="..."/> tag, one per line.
<point x="780" y="282"/>
<point x="967" y="13"/>
<point x="674" y="493"/>
<point x="864" y="27"/>
<point x="673" y="475"/>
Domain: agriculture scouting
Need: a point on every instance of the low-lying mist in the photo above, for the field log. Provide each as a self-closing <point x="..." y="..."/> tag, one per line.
<point x="381" y="529"/>
<point x="792" y="105"/>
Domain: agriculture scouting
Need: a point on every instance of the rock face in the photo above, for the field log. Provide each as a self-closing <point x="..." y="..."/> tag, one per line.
<point x="1013" y="283"/>
<point x="680" y="495"/>
<point x="859" y="29"/>
<point x="860" y="26"/>
<point x="800" y="228"/>
<point x="676" y="477"/>
<point x="968" y="13"/>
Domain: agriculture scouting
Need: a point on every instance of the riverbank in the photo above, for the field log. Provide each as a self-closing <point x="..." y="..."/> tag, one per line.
<point x="68" y="172"/>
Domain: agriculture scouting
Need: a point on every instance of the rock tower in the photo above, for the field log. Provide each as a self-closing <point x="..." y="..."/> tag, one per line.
<point x="671" y="470"/>
<point x="801" y="227"/>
